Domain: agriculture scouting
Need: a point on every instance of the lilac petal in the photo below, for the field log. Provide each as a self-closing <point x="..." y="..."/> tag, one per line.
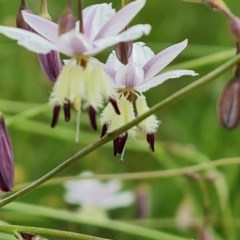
<point x="141" y="54"/>
<point x="121" y="19"/>
<point x="162" y="59"/>
<point x="111" y="72"/>
<point x="113" y="63"/>
<point x="73" y="43"/>
<point x="95" y="16"/>
<point x="42" y="26"/>
<point x="130" y="34"/>
<point x="162" y="78"/>
<point x="29" y="40"/>
<point x="129" y="76"/>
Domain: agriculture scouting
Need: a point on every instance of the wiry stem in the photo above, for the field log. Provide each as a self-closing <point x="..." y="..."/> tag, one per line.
<point x="80" y="15"/>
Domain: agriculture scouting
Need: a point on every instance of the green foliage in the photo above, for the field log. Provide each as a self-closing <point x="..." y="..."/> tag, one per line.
<point x="190" y="134"/>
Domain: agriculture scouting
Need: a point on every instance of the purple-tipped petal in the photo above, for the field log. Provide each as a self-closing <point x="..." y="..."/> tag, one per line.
<point x="92" y="117"/>
<point x="115" y="105"/>
<point x="51" y="64"/>
<point x="151" y="140"/>
<point x="42" y="26"/>
<point x="67" y="111"/>
<point x="6" y="159"/>
<point x="161" y="78"/>
<point x="162" y="59"/>
<point x="27" y="39"/>
<point x="55" y="116"/>
<point x="121" y="19"/>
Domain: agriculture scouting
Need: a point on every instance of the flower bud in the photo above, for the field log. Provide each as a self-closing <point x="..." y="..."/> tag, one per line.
<point x="20" y="23"/>
<point x="124" y="51"/>
<point x="66" y="21"/>
<point x="235" y="27"/>
<point x="6" y="159"/>
<point x="229" y="105"/>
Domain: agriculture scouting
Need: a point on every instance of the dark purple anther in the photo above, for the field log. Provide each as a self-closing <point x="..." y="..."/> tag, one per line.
<point x="104" y="130"/>
<point x="55" y="116"/>
<point x="115" y="146"/>
<point x="151" y="140"/>
<point x="121" y="143"/>
<point x="67" y="111"/>
<point x="6" y="159"/>
<point x="92" y="117"/>
<point x="28" y="236"/>
<point x="115" y="106"/>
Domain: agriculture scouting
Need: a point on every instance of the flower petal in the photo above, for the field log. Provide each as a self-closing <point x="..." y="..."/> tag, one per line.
<point x="162" y="59"/>
<point x="121" y="19"/>
<point x="73" y="43"/>
<point x="163" y="77"/>
<point x="29" y="40"/>
<point x="42" y="26"/>
<point x="141" y="54"/>
<point x="130" y="34"/>
<point x="95" y="16"/>
<point x="129" y="76"/>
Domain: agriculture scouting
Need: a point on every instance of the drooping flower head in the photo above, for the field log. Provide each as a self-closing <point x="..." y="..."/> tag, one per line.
<point x="6" y="158"/>
<point x="100" y="28"/>
<point x="138" y="75"/>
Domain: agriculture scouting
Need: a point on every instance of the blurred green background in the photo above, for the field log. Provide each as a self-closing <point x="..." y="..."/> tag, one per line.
<point x="190" y="132"/>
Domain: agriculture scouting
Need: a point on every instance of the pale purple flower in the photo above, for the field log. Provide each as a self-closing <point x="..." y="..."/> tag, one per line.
<point x="92" y="193"/>
<point x="103" y="27"/>
<point x="141" y="73"/>
<point x="6" y="158"/>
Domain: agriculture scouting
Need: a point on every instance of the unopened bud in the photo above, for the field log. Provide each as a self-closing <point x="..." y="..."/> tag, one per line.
<point x="66" y="21"/>
<point x="20" y="23"/>
<point x="229" y="105"/>
<point x="6" y="159"/>
<point x="124" y="51"/>
<point x="44" y="10"/>
<point x="235" y="27"/>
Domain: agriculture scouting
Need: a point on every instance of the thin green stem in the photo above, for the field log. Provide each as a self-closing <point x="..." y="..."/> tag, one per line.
<point x="108" y="137"/>
<point x="150" y="174"/>
<point x="104" y="223"/>
<point x="13" y="229"/>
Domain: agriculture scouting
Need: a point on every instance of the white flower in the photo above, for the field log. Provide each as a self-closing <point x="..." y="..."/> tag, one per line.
<point x="91" y="193"/>
<point x="103" y="27"/>
<point x="139" y="74"/>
